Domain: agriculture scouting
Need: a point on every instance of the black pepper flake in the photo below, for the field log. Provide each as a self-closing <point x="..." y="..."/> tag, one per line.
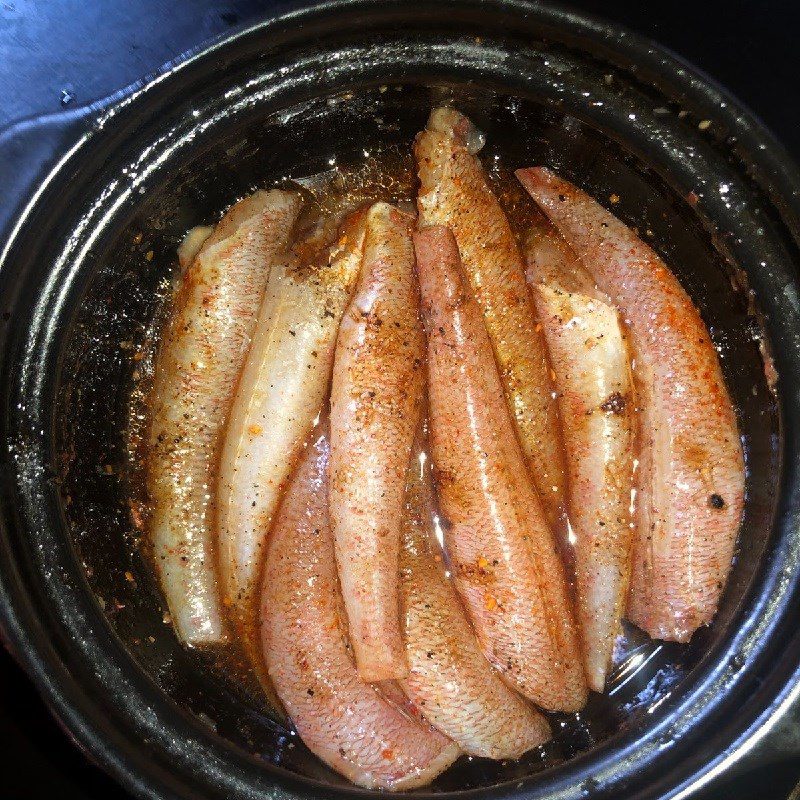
<point x="716" y="501"/>
<point x="562" y="198"/>
<point x="310" y="692"/>
<point x="613" y="404"/>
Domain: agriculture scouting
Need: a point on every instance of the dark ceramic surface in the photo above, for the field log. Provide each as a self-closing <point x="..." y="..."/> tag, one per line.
<point x="99" y="296"/>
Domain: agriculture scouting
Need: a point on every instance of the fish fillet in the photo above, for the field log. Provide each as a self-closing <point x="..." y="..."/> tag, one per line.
<point x="281" y="392"/>
<point x="376" y="396"/>
<point x="454" y="192"/>
<point x="196" y="370"/>
<point x="550" y="260"/>
<point x="690" y="480"/>
<point x="590" y="358"/>
<point x="502" y="552"/>
<point x="450" y="681"/>
<point x="348" y="723"/>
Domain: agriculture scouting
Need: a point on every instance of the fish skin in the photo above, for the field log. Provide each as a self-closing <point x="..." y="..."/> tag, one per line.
<point x="192" y="244"/>
<point x="197" y="365"/>
<point x="345" y="721"/>
<point x="551" y="261"/>
<point x="501" y="550"/>
<point x="281" y="391"/>
<point x="454" y="192"/>
<point x="376" y="397"/>
<point x="450" y="681"/>
<point x="589" y="354"/>
<point x="691" y="476"/>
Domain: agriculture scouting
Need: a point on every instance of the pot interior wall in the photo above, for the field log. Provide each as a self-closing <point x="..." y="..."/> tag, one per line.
<point x="125" y="278"/>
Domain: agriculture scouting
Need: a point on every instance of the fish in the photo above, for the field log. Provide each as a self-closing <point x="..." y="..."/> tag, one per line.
<point x="196" y="368"/>
<point x="281" y="392"/>
<point x="376" y="396"/>
<point x="450" y="681"/>
<point x="589" y="354"/>
<point x="192" y="243"/>
<point x="342" y="719"/>
<point x="454" y="192"/>
<point x="690" y="479"/>
<point x="551" y="261"/>
<point x="501" y="550"/>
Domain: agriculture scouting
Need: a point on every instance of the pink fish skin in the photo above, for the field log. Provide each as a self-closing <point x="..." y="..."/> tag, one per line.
<point x="691" y="475"/>
<point x="198" y="363"/>
<point x="348" y="723"/>
<point x="376" y="398"/>
<point x="590" y="358"/>
<point x="551" y="261"/>
<point x="501" y="550"/>
<point x="454" y="192"/>
<point x="450" y="681"/>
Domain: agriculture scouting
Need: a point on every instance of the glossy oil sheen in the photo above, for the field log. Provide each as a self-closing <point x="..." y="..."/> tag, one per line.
<point x="386" y="165"/>
<point x="83" y="297"/>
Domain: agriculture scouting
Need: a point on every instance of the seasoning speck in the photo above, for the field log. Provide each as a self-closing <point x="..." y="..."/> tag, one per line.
<point x="613" y="404"/>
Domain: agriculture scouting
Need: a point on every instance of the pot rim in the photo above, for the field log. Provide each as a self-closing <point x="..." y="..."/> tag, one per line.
<point x="121" y="752"/>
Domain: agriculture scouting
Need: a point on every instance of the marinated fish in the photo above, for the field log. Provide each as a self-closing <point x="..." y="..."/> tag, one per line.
<point x="196" y="370"/>
<point x="590" y="358"/>
<point x="280" y="394"/>
<point x="348" y="723"/>
<point x="690" y="478"/>
<point x="450" y="681"/>
<point x="454" y="192"/>
<point x="376" y="396"/>
<point x="502" y="552"/>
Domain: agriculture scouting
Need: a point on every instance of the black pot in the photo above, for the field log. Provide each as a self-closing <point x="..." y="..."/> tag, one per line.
<point x="79" y="290"/>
